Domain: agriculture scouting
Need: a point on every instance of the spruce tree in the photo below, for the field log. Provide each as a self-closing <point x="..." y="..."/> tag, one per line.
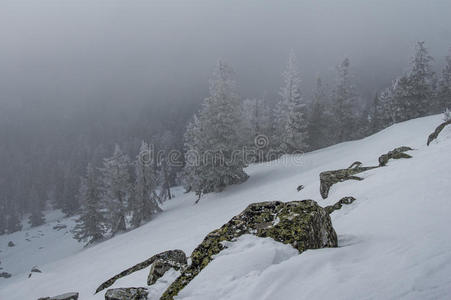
<point x="290" y="119"/>
<point x="345" y="105"/>
<point x="319" y="118"/>
<point x="36" y="217"/>
<point x="217" y="140"/>
<point x="116" y="188"/>
<point x="444" y="86"/>
<point x="145" y="200"/>
<point x="91" y="225"/>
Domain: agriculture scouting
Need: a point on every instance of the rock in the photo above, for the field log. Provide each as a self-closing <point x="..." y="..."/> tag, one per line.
<point x="59" y="227"/>
<point x="437" y="131"/>
<point x="396" y="153"/>
<point x="127" y="294"/>
<point x="5" y="275"/>
<point x="329" y="178"/>
<point x="66" y="296"/>
<point x="161" y="266"/>
<point x="302" y="224"/>
<point x="11" y="244"/>
<point x="300" y="188"/>
<point x="165" y="256"/>
<point x="346" y="200"/>
<point x="35" y="269"/>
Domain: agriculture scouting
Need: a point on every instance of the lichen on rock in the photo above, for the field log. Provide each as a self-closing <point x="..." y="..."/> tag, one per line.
<point x="346" y="200"/>
<point x="329" y="178"/>
<point x="165" y="256"/>
<point x="302" y="224"/>
<point x="131" y="293"/>
<point x="437" y="131"/>
<point x="162" y="265"/>
<point x="396" y="153"/>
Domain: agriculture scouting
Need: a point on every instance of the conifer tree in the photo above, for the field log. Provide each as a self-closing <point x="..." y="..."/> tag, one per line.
<point x="214" y="137"/>
<point x="290" y="120"/>
<point x="145" y="200"/>
<point x="345" y="105"/>
<point x="116" y="188"/>
<point x="319" y="118"/>
<point x="444" y="86"/>
<point x="91" y="225"/>
<point x="37" y="217"/>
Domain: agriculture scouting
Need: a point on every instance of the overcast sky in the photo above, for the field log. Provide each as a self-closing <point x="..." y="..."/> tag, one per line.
<point x="162" y="50"/>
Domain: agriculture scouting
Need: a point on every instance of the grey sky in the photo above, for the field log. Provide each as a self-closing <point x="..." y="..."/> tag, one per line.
<point x="162" y="50"/>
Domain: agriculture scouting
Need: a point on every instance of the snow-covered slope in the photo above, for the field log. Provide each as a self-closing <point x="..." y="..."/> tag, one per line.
<point x="395" y="240"/>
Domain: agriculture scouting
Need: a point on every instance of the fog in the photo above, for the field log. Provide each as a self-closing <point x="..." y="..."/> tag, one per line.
<point x="164" y="51"/>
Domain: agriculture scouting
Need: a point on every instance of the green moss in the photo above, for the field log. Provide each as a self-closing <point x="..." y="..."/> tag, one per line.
<point x="302" y="224"/>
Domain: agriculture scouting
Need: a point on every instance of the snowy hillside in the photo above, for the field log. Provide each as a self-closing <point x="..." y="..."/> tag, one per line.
<point x="394" y="241"/>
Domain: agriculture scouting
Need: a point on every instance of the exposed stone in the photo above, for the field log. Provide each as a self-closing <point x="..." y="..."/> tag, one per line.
<point x="35" y="269"/>
<point x="66" y="296"/>
<point x="11" y="244"/>
<point x="175" y="255"/>
<point x="437" y="131"/>
<point x="329" y="178"/>
<point x="59" y="227"/>
<point x="302" y="224"/>
<point x="5" y="275"/>
<point x="161" y="266"/>
<point x="346" y="200"/>
<point x="300" y="188"/>
<point x="132" y="293"/>
<point x="396" y="153"/>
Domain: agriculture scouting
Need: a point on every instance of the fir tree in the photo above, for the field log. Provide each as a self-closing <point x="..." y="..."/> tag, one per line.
<point x="444" y="86"/>
<point x="145" y="200"/>
<point x="345" y="106"/>
<point x="290" y="120"/>
<point x="215" y="138"/>
<point x="91" y="225"/>
<point x="37" y="217"/>
<point x="319" y="118"/>
<point x="116" y="188"/>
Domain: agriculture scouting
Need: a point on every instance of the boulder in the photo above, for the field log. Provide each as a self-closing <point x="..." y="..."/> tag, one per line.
<point x="165" y="256"/>
<point x="437" y="131"/>
<point x="11" y="244"/>
<point x="346" y="200"/>
<point x="5" y="275"/>
<point x="329" y="178"/>
<point x="396" y="153"/>
<point x="66" y="296"/>
<point x="162" y="265"/>
<point x="302" y="224"/>
<point x="132" y="293"/>
<point x="35" y="269"/>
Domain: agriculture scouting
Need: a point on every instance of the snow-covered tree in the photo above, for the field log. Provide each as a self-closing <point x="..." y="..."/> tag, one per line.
<point x="214" y="137"/>
<point x="36" y="217"/>
<point x="144" y="203"/>
<point x="382" y="114"/>
<point x="345" y="105"/>
<point x="319" y="118"/>
<point x="290" y="120"/>
<point x="447" y="115"/>
<point x="116" y="188"/>
<point x="444" y="86"/>
<point x="414" y="92"/>
<point x="91" y="225"/>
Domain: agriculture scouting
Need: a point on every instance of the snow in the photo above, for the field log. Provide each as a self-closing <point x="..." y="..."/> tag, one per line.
<point x="394" y="240"/>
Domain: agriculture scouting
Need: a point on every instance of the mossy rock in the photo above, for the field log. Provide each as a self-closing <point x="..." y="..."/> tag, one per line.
<point x="343" y="201"/>
<point x="170" y="255"/>
<point x="302" y="224"/>
<point x="329" y="178"/>
<point x="396" y="153"/>
<point x="437" y="131"/>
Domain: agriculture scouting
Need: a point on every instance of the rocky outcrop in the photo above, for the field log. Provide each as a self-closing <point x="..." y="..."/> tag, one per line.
<point x="171" y="255"/>
<point x="161" y="266"/>
<point x="329" y="178"/>
<point x="396" y="153"/>
<point x="132" y="293"/>
<point x="11" y="244"/>
<point x="302" y="224"/>
<point x="5" y="275"/>
<point x="437" y="131"/>
<point x="67" y="296"/>
<point x="346" y="200"/>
